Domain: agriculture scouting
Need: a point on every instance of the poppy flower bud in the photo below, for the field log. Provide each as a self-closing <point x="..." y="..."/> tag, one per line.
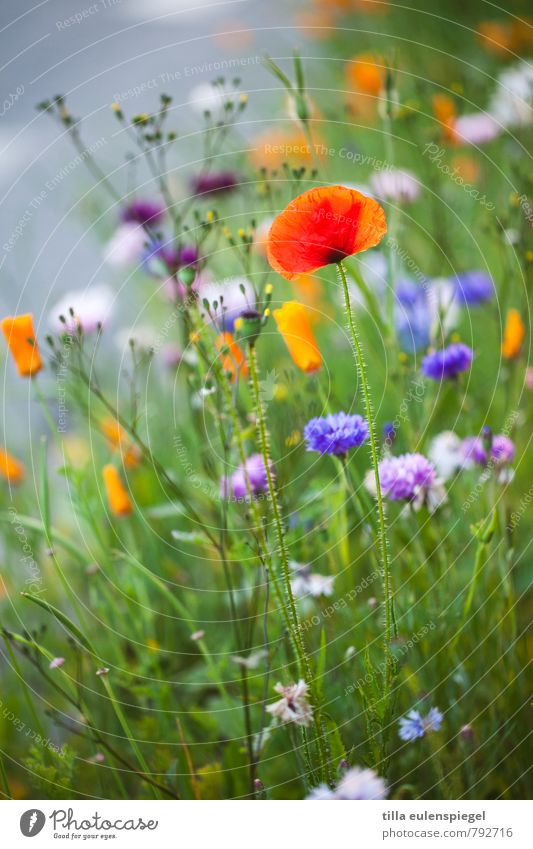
<point x="249" y="325"/>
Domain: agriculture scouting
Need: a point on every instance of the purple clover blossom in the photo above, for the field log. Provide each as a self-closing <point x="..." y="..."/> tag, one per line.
<point x="335" y="433"/>
<point x="403" y="478"/>
<point x="219" y="181"/>
<point x="414" y="725"/>
<point x="448" y="362"/>
<point x="236" y="486"/>
<point x="142" y="211"/>
<point x="473" y="288"/>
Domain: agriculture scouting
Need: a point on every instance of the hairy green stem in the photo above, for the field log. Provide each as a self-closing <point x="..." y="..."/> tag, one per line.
<point x="304" y="662"/>
<point x="382" y="529"/>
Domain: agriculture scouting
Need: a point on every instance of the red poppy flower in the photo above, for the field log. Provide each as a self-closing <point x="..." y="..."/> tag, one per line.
<point x="323" y="226"/>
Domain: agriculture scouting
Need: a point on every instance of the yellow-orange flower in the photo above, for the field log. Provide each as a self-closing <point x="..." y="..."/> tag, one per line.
<point x="117" y="495"/>
<point x="20" y="338"/>
<point x="10" y="468"/>
<point x="231" y="356"/>
<point x="274" y="147"/>
<point x="446" y="114"/>
<point x="496" y="37"/>
<point x="119" y="440"/>
<point x="364" y="75"/>
<point x="293" y="323"/>
<point x="513" y="335"/>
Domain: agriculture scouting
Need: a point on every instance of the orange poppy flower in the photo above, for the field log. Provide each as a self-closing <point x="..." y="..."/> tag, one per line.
<point x="309" y="289"/>
<point x="513" y="335"/>
<point x="10" y="468"/>
<point x="117" y="496"/>
<point x="232" y="358"/>
<point x="323" y="226"/>
<point x="292" y="320"/>
<point x="119" y="440"/>
<point x="20" y="338"/>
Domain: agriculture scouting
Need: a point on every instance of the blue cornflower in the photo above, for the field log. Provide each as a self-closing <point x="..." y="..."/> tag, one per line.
<point x="473" y="287"/>
<point x="414" y="725"/>
<point x="335" y="433"/>
<point x="413" y="317"/>
<point x="448" y="362"/>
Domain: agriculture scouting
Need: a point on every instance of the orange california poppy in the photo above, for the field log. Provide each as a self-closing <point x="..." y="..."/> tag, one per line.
<point x="446" y="114"/>
<point x="323" y="226"/>
<point x="496" y="37"/>
<point x="231" y="356"/>
<point x="119" y="440"/>
<point x="513" y="335"/>
<point x="272" y="148"/>
<point x="292" y="320"/>
<point x="364" y="75"/>
<point x="20" y="338"/>
<point x="10" y="468"/>
<point x="117" y="496"/>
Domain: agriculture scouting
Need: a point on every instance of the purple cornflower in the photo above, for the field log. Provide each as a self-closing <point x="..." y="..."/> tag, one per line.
<point x="335" y="433"/>
<point x="474" y="451"/>
<point x="389" y="433"/>
<point x="236" y="486"/>
<point x="143" y="211"/>
<point x="473" y="287"/>
<point x="414" y="725"/>
<point x="502" y="450"/>
<point x="171" y="257"/>
<point x="448" y="362"/>
<point x="405" y="477"/>
<point x="219" y="181"/>
<point x="412" y="315"/>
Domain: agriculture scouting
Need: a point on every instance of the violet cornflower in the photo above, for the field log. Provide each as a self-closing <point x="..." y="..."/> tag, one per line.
<point x="402" y="477"/>
<point x="219" y="181"/>
<point x="414" y="725"/>
<point x="473" y="287"/>
<point x="236" y="486"/>
<point x="143" y="211"/>
<point x="335" y="433"/>
<point x="448" y="362"/>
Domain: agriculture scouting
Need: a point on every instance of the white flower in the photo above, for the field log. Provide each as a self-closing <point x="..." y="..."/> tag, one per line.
<point x="305" y="583"/>
<point x="444" y="310"/>
<point x="206" y="97"/>
<point x="235" y="300"/>
<point x="446" y="453"/>
<point x="252" y="661"/>
<point x="293" y="706"/>
<point x="512" y="102"/>
<point x="91" y="307"/>
<point x="356" y="783"/>
<point x="125" y="245"/>
<point x="395" y="184"/>
<point x="477" y="128"/>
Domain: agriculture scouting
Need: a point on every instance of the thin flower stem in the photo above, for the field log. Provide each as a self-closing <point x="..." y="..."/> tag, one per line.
<point x="296" y="630"/>
<point x="382" y="535"/>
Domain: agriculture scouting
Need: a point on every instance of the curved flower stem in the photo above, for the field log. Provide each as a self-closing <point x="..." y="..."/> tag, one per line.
<point x="304" y="663"/>
<point x="382" y="535"/>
